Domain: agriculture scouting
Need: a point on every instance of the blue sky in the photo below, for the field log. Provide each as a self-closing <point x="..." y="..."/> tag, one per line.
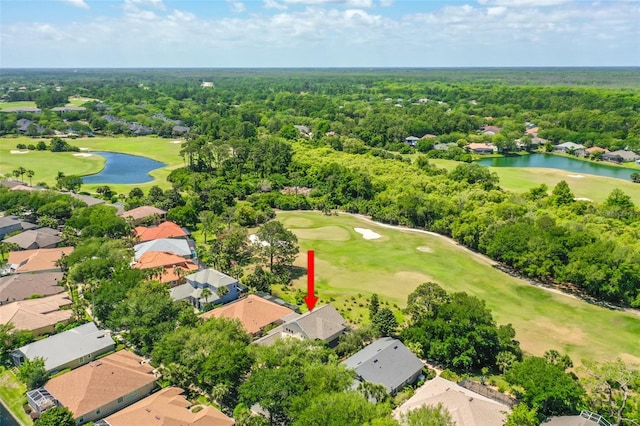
<point x="318" y="33"/>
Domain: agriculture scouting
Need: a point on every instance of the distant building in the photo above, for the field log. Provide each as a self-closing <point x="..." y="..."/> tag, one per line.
<point x="169" y="263"/>
<point x="39" y="316"/>
<point x="36" y="239"/>
<point x="203" y="287"/>
<point x="621" y="156"/>
<point x="411" y="140"/>
<point x="11" y="224"/>
<point x="164" y="230"/>
<point x="16" y="287"/>
<point x="139" y="214"/>
<point x="176" y="246"/>
<point x="482" y="148"/>
<point x="568" y="146"/>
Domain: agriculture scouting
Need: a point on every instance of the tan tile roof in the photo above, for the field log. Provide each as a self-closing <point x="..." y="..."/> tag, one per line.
<point x="253" y="312"/>
<point x="38" y="259"/>
<point x="168" y="408"/>
<point x="164" y="230"/>
<point x="531" y="131"/>
<point x="34" y="314"/>
<point x="168" y="261"/>
<point x="93" y="385"/>
<point x="142" y="212"/>
<point x="596" y="149"/>
<point x="21" y="286"/>
<point x="476" y="145"/>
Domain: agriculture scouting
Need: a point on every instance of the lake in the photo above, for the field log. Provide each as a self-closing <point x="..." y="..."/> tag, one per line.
<point x="5" y="418"/>
<point x="123" y="168"/>
<point x="551" y="161"/>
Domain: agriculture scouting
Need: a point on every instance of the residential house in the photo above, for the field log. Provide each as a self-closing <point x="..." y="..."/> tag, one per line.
<point x="64" y="109"/>
<point x="568" y="146"/>
<point x="411" y="140"/>
<point x="178" y="247"/>
<point x="38" y="260"/>
<point x="467" y="408"/>
<point x="167" y="407"/>
<point x="532" y="131"/>
<point x="204" y="286"/>
<point x="16" y="287"/>
<point x="87" y="199"/>
<point x="179" y="130"/>
<point x="621" y="156"/>
<point x="98" y="389"/>
<point x="170" y="263"/>
<point x="11" y="224"/>
<point x="24" y="124"/>
<point x="253" y="312"/>
<point x="36" y="239"/>
<point x="164" y="230"/>
<point x="444" y="146"/>
<point x="595" y="149"/>
<point x="491" y="130"/>
<point x="69" y="349"/>
<point x="304" y="130"/>
<point x="19" y="110"/>
<point x="38" y="315"/>
<point x="26" y="188"/>
<point x="323" y="323"/>
<point x="429" y="136"/>
<point x="139" y="214"/>
<point x="586" y="418"/>
<point x="482" y="148"/>
<point x="386" y="362"/>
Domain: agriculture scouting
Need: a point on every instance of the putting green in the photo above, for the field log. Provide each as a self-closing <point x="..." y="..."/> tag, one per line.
<point x="348" y="272"/>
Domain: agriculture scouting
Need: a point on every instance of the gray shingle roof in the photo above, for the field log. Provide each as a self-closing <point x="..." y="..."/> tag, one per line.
<point x="386" y="361"/>
<point x="21" y="286"/>
<point x="73" y="344"/>
<point x="322" y="323"/>
<point x="35" y="238"/>
<point x="211" y="277"/>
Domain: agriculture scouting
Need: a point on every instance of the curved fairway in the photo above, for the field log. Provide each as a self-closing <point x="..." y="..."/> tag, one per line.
<point x="395" y="264"/>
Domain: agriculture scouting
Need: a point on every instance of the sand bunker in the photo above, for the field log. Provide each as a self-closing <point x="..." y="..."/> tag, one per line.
<point x="84" y="149"/>
<point x="82" y="155"/>
<point x="176" y="142"/>
<point x="582" y="199"/>
<point x="15" y="151"/>
<point x="367" y="234"/>
<point x="576" y="176"/>
<point x="425" y="249"/>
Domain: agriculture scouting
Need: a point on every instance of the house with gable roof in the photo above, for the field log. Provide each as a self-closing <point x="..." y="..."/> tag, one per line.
<point x="323" y="323"/>
<point x="203" y="287"/>
<point x="97" y="389"/>
<point x="386" y="362"/>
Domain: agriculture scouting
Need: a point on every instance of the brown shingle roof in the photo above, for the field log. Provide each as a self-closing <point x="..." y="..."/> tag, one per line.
<point x="21" y="286"/>
<point x="93" y="385"/>
<point x="35" y="314"/>
<point x="164" y="230"/>
<point x="35" y="238"/>
<point x="168" y="408"/>
<point x="38" y="259"/>
<point x="142" y="212"/>
<point x="253" y="312"/>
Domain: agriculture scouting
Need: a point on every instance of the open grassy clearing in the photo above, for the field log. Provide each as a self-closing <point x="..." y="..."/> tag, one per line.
<point x="12" y="393"/>
<point x="393" y="266"/>
<point x="17" y="104"/>
<point x="46" y="164"/>
<point x="522" y="179"/>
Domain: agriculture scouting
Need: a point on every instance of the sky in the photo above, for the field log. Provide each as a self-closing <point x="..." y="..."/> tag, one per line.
<point x="318" y="33"/>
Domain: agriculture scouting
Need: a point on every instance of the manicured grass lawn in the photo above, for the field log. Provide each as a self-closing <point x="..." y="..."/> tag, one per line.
<point x="392" y="267"/>
<point x="12" y="393"/>
<point x="47" y="164"/>
<point x="17" y="104"/>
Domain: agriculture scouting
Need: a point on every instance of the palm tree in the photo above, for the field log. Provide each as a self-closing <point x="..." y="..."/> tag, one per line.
<point x="15" y="173"/>
<point x="30" y="174"/>
<point x="22" y="171"/>
<point x="222" y="291"/>
<point x="206" y="293"/>
<point x="180" y="273"/>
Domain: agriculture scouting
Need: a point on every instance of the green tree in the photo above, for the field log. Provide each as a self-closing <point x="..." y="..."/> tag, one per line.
<point x="635" y="177"/>
<point x="30" y="174"/>
<point x="374" y="305"/>
<point x="278" y="247"/>
<point x="33" y="373"/>
<point x="208" y="223"/>
<point x="384" y="322"/>
<point x="347" y="409"/>
<point x="561" y="194"/>
<point x="56" y="416"/>
<point x="424" y="300"/>
<point x="521" y="415"/>
<point x="428" y="416"/>
<point x="473" y="173"/>
<point x="546" y="387"/>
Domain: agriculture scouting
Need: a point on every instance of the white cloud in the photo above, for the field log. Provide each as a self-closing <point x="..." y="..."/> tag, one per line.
<point x="345" y="3"/>
<point x="77" y="3"/>
<point x="524" y="3"/>
<point x="157" y="4"/>
<point x="272" y="4"/>
<point x="236" y="6"/>
<point x="386" y="3"/>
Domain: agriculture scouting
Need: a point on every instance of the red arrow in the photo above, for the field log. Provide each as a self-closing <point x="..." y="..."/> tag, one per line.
<point x="311" y="298"/>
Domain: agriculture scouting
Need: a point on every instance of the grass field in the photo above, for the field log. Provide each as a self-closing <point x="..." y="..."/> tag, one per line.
<point x="348" y="265"/>
<point x="521" y="179"/>
<point x="17" y="104"/>
<point x="12" y="393"/>
<point x="46" y="164"/>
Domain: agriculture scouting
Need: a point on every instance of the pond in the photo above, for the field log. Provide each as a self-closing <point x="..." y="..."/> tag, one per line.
<point x="5" y="417"/>
<point x="559" y="162"/>
<point x="123" y="168"/>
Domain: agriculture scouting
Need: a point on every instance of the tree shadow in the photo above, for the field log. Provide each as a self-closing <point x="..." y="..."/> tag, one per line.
<point x="297" y="272"/>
